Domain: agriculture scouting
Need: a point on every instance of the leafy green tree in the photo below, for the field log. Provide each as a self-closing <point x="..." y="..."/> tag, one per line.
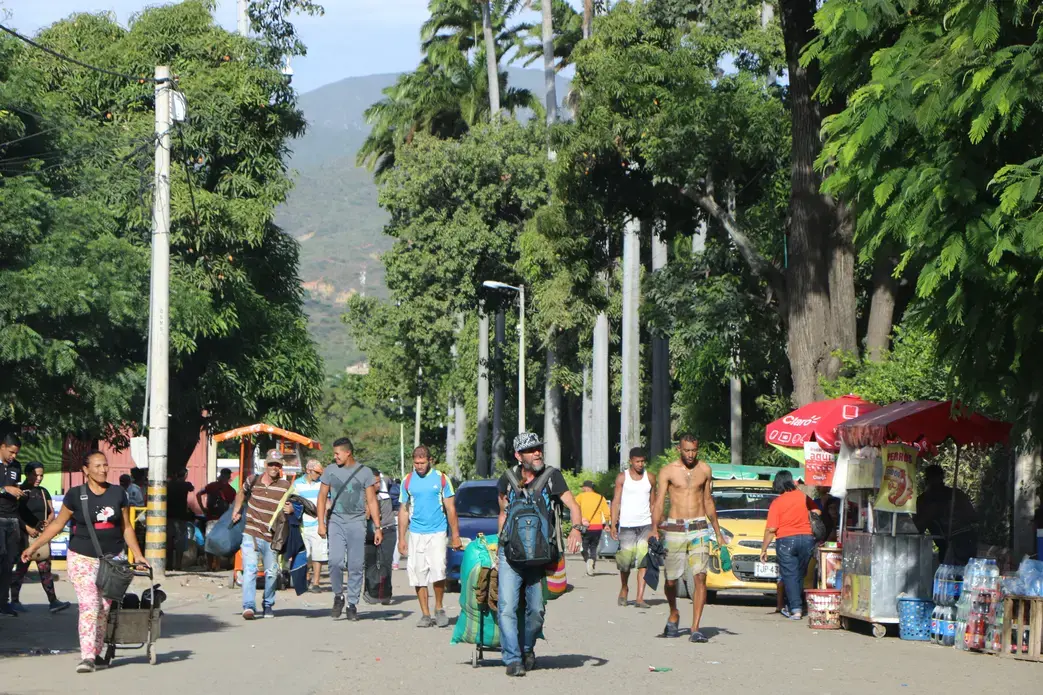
<point x="239" y="347"/>
<point x="936" y="145"/>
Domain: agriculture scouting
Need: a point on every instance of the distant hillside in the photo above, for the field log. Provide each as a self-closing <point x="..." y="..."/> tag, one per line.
<point x="333" y="211"/>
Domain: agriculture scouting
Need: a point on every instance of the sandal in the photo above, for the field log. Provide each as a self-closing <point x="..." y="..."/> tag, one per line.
<point x="641" y="604"/>
<point x="671" y="630"/>
<point x="698" y="637"/>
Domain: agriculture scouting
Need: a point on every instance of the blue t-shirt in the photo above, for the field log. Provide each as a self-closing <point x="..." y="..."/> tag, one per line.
<point x="424" y="496"/>
<point x="310" y="492"/>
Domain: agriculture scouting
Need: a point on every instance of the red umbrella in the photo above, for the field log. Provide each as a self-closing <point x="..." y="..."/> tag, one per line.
<point x="932" y="422"/>
<point x="816" y="422"/>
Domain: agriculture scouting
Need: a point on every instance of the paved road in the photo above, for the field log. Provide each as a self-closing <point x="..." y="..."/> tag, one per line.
<point x="593" y="646"/>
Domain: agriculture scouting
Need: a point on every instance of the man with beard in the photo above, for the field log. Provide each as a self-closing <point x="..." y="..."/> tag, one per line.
<point x="686" y="534"/>
<point x="549" y="491"/>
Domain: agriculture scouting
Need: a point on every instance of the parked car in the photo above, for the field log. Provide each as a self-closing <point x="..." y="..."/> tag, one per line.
<point x="478" y="510"/>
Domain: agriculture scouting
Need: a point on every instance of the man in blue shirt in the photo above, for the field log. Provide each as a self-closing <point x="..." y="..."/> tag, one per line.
<point x="316" y="546"/>
<point x="428" y="510"/>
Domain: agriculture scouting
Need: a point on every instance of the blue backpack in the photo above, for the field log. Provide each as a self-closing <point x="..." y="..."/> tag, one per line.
<point x="531" y="535"/>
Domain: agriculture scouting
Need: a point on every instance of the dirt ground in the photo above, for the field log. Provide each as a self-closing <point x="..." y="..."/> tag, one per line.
<point x="592" y="646"/>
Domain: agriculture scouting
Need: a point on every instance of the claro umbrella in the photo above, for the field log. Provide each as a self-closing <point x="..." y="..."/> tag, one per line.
<point x="815" y="422"/>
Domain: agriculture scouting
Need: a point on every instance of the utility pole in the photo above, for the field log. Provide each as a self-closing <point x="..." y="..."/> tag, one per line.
<point x="243" y="20"/>
<point x="159" y="329"/>
<point x="499" y="441"/>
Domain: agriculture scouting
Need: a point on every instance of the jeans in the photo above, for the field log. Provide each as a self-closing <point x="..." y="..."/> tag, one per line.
<point x="10" y="552"/>
<point x="347" y="552"/>
<point x="514" y="581"/>
<point x="252" y="547"/>
<point x="794" y="555"/>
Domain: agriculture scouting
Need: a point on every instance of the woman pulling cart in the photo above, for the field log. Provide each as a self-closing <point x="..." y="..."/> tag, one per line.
<point x="107" y="509"/>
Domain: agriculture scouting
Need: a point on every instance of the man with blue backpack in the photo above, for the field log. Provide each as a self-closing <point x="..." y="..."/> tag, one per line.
<point x="531" y="499"/>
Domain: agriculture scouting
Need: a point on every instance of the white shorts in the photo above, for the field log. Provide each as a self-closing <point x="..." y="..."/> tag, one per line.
<point x="426" y="564"/>
<point x="317" y="547"/>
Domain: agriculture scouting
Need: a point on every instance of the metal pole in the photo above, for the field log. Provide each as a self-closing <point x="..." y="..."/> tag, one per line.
<point x="521" y="359"/>
<point x="159" y="327"/>
<point x="499" y="443"/>
<point x="243" y="22"/>
<point x="481" y="453"/>
<point x="419" y="403"/>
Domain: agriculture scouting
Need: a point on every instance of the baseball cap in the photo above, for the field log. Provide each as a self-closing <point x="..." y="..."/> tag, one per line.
<point x="273" y="457"/>
<point x="588" y="483"/>
<point x="527" y="441"/>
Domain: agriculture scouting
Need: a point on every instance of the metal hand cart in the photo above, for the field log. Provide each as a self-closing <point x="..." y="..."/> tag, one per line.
<point x="480" y="648"/>
<point x="134" y="628"/>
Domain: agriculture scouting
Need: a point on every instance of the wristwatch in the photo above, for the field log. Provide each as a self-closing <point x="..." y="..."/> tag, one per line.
<point x="581" y="529"/>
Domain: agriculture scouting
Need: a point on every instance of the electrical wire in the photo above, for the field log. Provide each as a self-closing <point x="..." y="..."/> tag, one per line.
<point x="102" y="112"/>
<point x="188" y="178"/>
<point x="60" y="56"/>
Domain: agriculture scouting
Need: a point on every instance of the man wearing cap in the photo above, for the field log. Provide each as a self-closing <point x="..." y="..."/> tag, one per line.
<point x="519" y="580"/>
<point x="316" y="546"/>
<point x="269" y="494"/>
<point x="594" y="509"/>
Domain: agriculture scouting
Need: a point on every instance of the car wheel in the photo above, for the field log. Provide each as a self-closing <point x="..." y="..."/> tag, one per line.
<point x="711" y="597"/>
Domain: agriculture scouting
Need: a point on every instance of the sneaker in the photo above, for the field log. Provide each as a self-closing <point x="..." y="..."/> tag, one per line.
<point x="786" y="613"/>
<point x="18" y="606"/>
<point x="352" y="612"/>
<point x="248" y="614"/>
<point x="338" y="607"/>
<point x="315" y="589"/>
<point x="590" y="568"/>
<point x="515" y="670"/>
<point x="425" y="621"/>
<point x="268" y="612"/>
<point x="698" y="637"/>
<point x="59" y="606"/>
<point x="85" y="666"/>
<point x="441" y="619"/>
<point x="386" y="602"/>
<point x="530" y="661"/>
<point x="671" y="630"/>
<point x="8" y="612"/>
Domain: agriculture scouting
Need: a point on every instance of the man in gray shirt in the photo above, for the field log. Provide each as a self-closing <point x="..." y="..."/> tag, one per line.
<point x="350" y="488"/>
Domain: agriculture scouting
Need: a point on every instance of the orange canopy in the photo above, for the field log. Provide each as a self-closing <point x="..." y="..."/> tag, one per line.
<point x="272" y="430"/>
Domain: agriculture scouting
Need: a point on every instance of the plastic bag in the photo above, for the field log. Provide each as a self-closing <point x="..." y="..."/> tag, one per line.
<point x="225" y="538"/>
<point x="474" y="623"/>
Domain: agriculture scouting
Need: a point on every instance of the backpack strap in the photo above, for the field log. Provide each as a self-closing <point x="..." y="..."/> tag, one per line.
<point x="542" y="480"/>
<point x="514" y="482"/>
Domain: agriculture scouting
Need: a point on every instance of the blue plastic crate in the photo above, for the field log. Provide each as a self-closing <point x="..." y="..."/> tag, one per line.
<point x="914" y="618"/>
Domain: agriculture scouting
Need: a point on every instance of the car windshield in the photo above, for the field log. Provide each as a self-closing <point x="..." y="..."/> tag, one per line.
<point x="477" y="501"/>
<point x="743" y="503"/>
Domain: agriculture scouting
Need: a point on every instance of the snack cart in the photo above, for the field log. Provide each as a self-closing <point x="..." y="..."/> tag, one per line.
<point x="884" y="554"/>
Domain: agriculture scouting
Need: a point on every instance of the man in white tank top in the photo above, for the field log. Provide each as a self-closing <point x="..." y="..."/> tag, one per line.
<point x="632" y="523"/>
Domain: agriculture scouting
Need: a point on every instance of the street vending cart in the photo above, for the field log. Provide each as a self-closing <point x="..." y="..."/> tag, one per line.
<point x="250" y="458"/>
<point x="884" y="554"/>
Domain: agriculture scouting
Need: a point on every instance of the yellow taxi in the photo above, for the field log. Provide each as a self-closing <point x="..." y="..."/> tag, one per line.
<point x="742" y="512"/>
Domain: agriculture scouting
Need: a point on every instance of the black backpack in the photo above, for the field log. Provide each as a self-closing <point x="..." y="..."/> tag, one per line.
<point x="531" y="531"/>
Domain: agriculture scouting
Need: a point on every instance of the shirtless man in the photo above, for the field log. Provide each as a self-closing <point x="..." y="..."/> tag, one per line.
<point x="686" y="534"/>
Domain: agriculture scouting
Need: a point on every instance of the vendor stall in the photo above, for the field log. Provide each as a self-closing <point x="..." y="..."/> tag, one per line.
<point x="884" y="554"/>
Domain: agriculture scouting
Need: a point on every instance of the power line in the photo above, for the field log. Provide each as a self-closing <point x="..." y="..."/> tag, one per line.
<point x="102" y="112"/>
<point x="60" y="56"/>
<point x="188" y="178"/>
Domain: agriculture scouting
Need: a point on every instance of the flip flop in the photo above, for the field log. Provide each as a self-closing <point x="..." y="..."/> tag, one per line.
<point x="671" y="630"/>
<point x="641" y="604"/>
<point x="698" y="637"/>
<point x="621" y="601"/>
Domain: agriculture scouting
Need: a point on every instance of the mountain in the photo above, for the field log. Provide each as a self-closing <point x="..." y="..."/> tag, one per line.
<point x="333" y="211"/>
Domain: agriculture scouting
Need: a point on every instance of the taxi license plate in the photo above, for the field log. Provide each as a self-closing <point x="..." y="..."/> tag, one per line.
<point x="766" y="570"/>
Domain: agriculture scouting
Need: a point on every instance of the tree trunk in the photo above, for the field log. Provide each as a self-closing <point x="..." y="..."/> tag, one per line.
<point x="599" y="396"/>
<point x="548" y="62"/>
<point x="499" y="395"/>
<point x="1027" y="463"/>
<point x="660" y="433"/>
<point x="492" y="62"/>
<point x="630" y="415"/>
<point x="810" y="337"/>
<point x="552" y="398"/>
<point x="481" y="445"/>
<point x="842" y="302"/>
<point x="588" y="18"/>
<point x="450" y="437"/>
<point x="881" y="308"/>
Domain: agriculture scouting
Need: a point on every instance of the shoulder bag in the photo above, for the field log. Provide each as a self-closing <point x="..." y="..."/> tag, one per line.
<point x="114" y="574"/>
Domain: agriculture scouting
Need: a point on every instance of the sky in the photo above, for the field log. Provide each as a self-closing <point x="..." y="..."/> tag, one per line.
<point x="354" y="38"/>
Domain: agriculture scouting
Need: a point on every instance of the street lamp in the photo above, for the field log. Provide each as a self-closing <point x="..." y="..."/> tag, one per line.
<point x="520" y="289"/>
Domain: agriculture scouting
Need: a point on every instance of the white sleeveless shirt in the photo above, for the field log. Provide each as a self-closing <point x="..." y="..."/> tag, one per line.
<point x="636" y="510"/>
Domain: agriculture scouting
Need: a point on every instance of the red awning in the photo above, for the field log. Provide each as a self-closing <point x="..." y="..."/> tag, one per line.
<point x="932" y="422"/>
<point x="816" y="422"/>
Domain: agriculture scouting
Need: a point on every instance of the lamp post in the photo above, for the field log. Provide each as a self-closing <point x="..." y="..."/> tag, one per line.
<point x="520" y="289"/>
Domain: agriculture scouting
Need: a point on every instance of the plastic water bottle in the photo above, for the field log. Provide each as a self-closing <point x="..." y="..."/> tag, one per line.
<point x="939" y="577"/>
<point x="936" y="624"/>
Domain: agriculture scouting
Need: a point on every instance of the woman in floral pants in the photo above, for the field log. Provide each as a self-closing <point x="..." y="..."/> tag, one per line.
<point x="106" y="507"/>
